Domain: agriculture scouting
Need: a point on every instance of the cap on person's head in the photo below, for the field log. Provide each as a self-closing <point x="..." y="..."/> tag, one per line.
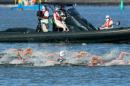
<point x="43" y="7"/>
<point x="107" y="16"/>
<point x="56" y="8"/>
<point x="62" y="53"/>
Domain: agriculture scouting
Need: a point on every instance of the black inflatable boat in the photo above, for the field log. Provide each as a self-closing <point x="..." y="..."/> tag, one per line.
<point x="80" y="31"/>
<point x="116" y="35"/>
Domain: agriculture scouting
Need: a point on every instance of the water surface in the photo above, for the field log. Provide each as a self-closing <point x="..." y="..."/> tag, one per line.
<point x="65" y="75"/>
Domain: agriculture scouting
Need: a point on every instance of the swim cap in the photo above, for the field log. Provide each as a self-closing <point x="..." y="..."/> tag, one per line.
<point x="62" y="53"/>
<point x="107" y="16"/>
<point x="43" y="7"/>
<point x="56" y="8"/>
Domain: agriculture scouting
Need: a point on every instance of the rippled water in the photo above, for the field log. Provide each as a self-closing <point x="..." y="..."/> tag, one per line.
<point x="62" y="76"/>
<point x="65" y="75"/>
<point x="96" y="14"/>
<point x="98" y="49"/>
<point x="13" y="18"/>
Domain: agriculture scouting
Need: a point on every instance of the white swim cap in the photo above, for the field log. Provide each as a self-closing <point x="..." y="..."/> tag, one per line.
<point x="56" y="8"/>
<point x="107" y="16"/>
<point x="62" y="53"/>
<point x="43" y="7"/>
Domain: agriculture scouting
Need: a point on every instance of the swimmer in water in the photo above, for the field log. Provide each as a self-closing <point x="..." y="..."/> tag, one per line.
<point x="81" y="54"/>
<point x="122" y="59"/>
<point x="16" y="56"/>
<point x="51" y="58"/>
<point x="24" y="55"/>
<point x="27" y="51"/>
<point x="61" y="56"/>
<point x="98" y="60"/>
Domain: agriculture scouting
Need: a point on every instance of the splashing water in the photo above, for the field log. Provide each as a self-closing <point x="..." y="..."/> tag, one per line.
<point x="113" y="54"/>
<point x="49" y="58"/>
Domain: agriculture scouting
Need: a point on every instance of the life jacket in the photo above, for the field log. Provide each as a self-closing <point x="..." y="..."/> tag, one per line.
<point x="58" y="17"/>
<point x="39" y="13"/>
<point x="107" y="23"/>
<point x="43" y="13"/>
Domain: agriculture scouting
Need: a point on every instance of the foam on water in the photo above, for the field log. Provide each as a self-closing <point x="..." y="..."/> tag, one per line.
<point x="112" y="54"/>
<point x="47" y="58"/>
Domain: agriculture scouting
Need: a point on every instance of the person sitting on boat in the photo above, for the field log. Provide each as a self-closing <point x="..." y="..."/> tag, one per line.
<point x="108" y="23"/>
<point x="59" y="21"/>
<point x="44" y="19"/>
<point x="62" y="12"/>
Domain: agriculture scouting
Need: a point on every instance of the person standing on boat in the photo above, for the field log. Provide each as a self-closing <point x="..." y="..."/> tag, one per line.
<point x="59" y="21"/>
<point x="108" y="23"/>
<point x="62" y="12"/>
<point x="44" y="19"/>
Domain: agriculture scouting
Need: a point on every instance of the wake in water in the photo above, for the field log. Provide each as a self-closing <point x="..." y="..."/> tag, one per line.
<point x="63" y="57"/>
